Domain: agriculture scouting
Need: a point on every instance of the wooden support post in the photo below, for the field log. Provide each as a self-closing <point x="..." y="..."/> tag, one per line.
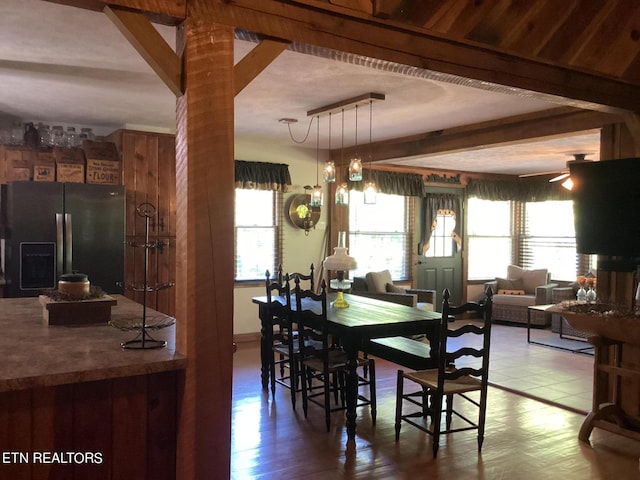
<point x="205" y="199"/>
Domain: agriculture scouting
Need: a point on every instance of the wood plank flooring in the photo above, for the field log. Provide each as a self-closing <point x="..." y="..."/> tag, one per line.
<point x="525" y="438"/>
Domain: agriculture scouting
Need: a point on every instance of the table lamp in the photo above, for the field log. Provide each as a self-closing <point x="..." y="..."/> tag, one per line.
<point x="340" y="262"/>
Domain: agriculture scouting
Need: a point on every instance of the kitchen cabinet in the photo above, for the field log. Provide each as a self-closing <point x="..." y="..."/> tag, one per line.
<point x="149" y="176"/>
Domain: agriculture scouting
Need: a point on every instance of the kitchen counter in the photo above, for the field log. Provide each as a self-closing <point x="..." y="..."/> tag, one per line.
<point x="37" y="355"/>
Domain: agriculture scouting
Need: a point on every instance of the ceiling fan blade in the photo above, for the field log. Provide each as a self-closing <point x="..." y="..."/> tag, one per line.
<point x="559" y="177"/>
<point x="538" y="174"/>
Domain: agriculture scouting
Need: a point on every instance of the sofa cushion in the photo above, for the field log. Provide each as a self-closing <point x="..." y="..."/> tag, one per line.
<point x="530" y="278"/>
<point x="515" y="300"/>
<point x="391" y="288"/>
<point x="377" y="281"/>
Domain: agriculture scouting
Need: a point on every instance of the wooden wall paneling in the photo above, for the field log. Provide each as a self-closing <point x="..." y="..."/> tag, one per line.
<point x="139" y="156"/>
<point x="128" y="176"/>
<point x="52" y="429"/>
<point x="15" y="434"/>
<point x="129" y="417"/>
<point x="92" y="421"/>
<point x="165" y="261"/>
<point x="161" y="426"/>
<point x="167" y="184"/>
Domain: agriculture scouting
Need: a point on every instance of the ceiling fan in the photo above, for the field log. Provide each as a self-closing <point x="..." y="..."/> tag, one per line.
<point x="563" y="174"/>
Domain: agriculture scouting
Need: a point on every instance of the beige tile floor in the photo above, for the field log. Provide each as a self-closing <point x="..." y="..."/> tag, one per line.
<point x="556" y="376"/>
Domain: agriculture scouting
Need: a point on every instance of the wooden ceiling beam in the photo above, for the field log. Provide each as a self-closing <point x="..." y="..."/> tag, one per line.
<point x="256" y="61"/>
<point x="166" y="12"/>
<point x="360" y="34"/>
<point x="150" y="45"/>
<point x="505" y="131"/>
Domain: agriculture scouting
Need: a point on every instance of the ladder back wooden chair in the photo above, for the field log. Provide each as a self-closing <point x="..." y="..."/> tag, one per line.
<point x="284" y="345"/>
<point x="322" y="363"/>
<point x="280" y="331"/>
<point x="463" y="368"/>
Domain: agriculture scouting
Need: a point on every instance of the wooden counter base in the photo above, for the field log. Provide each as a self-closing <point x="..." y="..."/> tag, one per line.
<point x="73" y="396"/>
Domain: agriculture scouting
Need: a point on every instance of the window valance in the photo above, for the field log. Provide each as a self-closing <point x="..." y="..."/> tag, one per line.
<point x="523" y="190"/>
<point x="392" y="183"/>
<point x="262" y="175"/>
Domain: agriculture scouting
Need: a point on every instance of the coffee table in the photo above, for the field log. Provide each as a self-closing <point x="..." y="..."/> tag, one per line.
<point x="588" y="349"/>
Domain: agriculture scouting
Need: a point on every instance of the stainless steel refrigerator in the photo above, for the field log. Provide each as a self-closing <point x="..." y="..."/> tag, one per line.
<point x="56" y="228"/>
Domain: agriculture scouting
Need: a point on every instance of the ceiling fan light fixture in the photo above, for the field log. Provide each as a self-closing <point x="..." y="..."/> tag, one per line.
<point x="568" y="183"/>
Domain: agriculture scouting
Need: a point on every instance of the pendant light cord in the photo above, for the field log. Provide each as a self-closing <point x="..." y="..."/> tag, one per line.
<point x="317" y="147"/>
<point x="305" y="137"/>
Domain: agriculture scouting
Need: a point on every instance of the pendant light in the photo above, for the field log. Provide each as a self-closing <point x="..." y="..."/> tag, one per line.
<point x="316" y="193"/>
<point x="329" y="174"/>
<point x="342" y="191"/>
<point x="370" y="189"/>
<point x="355" y="165"/>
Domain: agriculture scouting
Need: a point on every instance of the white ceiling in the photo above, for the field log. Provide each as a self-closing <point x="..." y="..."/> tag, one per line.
<point x="70" y="66"/>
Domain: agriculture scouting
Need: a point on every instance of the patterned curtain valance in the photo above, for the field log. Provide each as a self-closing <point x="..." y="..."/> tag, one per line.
<point x="392" y="183"/>
<point x="262" y="175"/>
<point x="432" y="204"/>
<point x="523" y="190"/>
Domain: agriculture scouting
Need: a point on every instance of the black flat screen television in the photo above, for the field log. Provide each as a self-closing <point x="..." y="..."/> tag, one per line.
<point x="606" y="207"/>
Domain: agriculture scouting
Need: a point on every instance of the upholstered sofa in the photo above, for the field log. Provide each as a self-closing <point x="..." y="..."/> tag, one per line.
<point x="379" y="285"/>
<point x="521" y="289"/>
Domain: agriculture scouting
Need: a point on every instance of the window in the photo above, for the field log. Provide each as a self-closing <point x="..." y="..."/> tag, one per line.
<point x="549" y="239"/>
<point x="378" y="237"/>
<point x="256" y="233"/>
<point x="441" y="243"/>
<point x="489" y="228"/>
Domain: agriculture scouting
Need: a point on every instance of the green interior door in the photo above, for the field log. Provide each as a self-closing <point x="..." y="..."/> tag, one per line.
<point x="441" y="266"/>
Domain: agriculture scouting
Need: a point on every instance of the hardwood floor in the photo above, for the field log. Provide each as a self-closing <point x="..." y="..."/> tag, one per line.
<point x="525" y="438"/>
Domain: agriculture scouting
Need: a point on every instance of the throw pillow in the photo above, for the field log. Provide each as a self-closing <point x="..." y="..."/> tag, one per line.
<point x="509" y="284"/>
<point x="511" y="292"/>
<point x="534" y="278"/>
<point x="391" y="288"/>
<point x="377" y="281"/>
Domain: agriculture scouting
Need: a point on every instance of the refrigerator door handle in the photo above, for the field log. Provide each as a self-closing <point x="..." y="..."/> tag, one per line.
<point x="59" y="243"/>
<point x="68" y="243"/>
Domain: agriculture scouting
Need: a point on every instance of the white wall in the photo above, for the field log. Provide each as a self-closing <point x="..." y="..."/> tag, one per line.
<point x="299" y="250"/>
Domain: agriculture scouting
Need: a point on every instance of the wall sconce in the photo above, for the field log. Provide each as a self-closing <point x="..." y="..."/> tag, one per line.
<point x="302" y="213"/>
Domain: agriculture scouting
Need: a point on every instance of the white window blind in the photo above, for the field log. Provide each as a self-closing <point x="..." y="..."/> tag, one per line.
<point x="378" y="234"/>
<point x="489" y="227"/>
<point x="548" y="238"/>
<point x="257" y="233"/>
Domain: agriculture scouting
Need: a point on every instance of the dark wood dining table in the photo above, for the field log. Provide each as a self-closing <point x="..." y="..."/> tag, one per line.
<point x="364" y="319"/>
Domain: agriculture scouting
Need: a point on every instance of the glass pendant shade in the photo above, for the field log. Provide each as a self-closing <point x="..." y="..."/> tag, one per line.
<point x="316" y="196"/>
<point x="370" y="193"/>
<point x="329" y="172"/>
<point x="342" y="194"/>
<point x="355" y="169"/>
